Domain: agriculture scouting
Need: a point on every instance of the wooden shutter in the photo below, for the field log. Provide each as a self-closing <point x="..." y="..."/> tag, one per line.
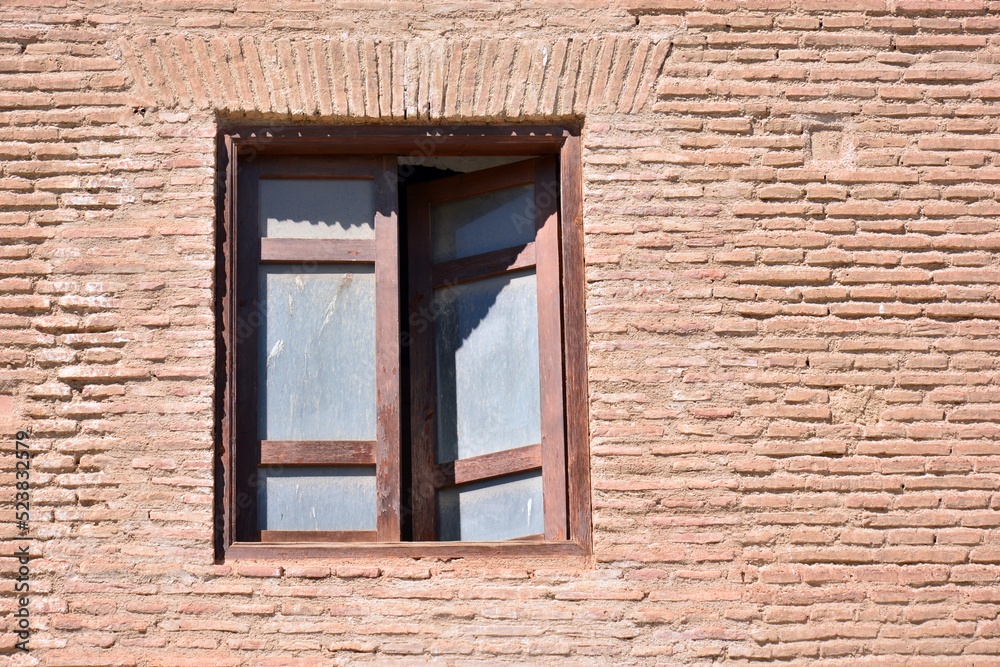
<point x="438" y="272"/>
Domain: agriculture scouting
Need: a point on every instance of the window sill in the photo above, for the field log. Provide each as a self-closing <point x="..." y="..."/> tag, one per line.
<point x="513" y="548"/>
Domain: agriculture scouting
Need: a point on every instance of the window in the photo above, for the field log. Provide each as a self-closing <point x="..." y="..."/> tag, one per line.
<point x="402" y="337"/>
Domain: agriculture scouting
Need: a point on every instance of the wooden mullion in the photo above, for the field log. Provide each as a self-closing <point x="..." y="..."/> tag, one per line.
<point x="423" y="383"/>
<point x="488" y="466"/>
<point x="387" y="353"/>
<point x="317" y="250"/>
<point x="245" y="333"/>
<point x="317" y="536"/>
<point x="318" y="452"/>
<point x="484" y="265"/>
<point x="550" y="348"/>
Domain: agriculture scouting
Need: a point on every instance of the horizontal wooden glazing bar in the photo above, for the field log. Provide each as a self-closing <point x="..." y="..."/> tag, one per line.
<point x="317" y="250"/>
<point x="317" y="452"/>
<point x="484" y="265"/>
<point x="487" y="466"/>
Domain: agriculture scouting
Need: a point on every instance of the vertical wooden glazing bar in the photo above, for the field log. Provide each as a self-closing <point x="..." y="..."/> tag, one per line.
<point x="575" y="339"/>
<point x="550" y="347"/>
<point x="387" y="456"/>
<point x="423" y="383"/>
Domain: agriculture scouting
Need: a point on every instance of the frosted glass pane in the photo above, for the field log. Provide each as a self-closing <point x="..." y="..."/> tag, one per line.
<point x="487" y="366"/>
<point x="316" y="353"/>
<point x="314" y="498"/>
<point x="473" y="225"/>
<point x="312" y="208"/>
<point x="498" y="509"/>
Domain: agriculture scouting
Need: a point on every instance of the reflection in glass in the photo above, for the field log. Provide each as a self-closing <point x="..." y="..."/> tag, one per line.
<point x="486" y="335"/>
<point x="505" y="508"/>
<point x="316" y="498"/>
<point x="316" y="353"/>
<point x="312" y="208"/>
<point x="478" y="224"/>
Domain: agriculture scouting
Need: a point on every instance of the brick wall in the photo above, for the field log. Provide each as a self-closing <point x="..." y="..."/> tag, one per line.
<point x="791" y="213"/>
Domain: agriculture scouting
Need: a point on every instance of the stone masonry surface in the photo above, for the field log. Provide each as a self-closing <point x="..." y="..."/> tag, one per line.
<point x="793" y="262"/>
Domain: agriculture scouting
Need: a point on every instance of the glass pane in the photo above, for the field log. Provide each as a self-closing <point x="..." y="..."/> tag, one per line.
<point x="487" y="366"/>
<point x="313" y="498"/>
<point x="504" y="508"/>
<point x="313" y="208"/>
<point x="316" y="353"/>
<point x="473" y="225"/>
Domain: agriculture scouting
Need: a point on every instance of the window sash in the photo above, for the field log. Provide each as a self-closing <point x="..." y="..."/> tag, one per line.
<point x="251" y="252"/>
<point x="429" y="476"/>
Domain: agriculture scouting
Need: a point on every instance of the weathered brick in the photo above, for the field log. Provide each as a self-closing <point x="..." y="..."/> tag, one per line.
<point x="791" y="326"/>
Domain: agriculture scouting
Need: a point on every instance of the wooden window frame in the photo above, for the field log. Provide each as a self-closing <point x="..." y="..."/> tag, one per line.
<point x="569" y="533"/>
